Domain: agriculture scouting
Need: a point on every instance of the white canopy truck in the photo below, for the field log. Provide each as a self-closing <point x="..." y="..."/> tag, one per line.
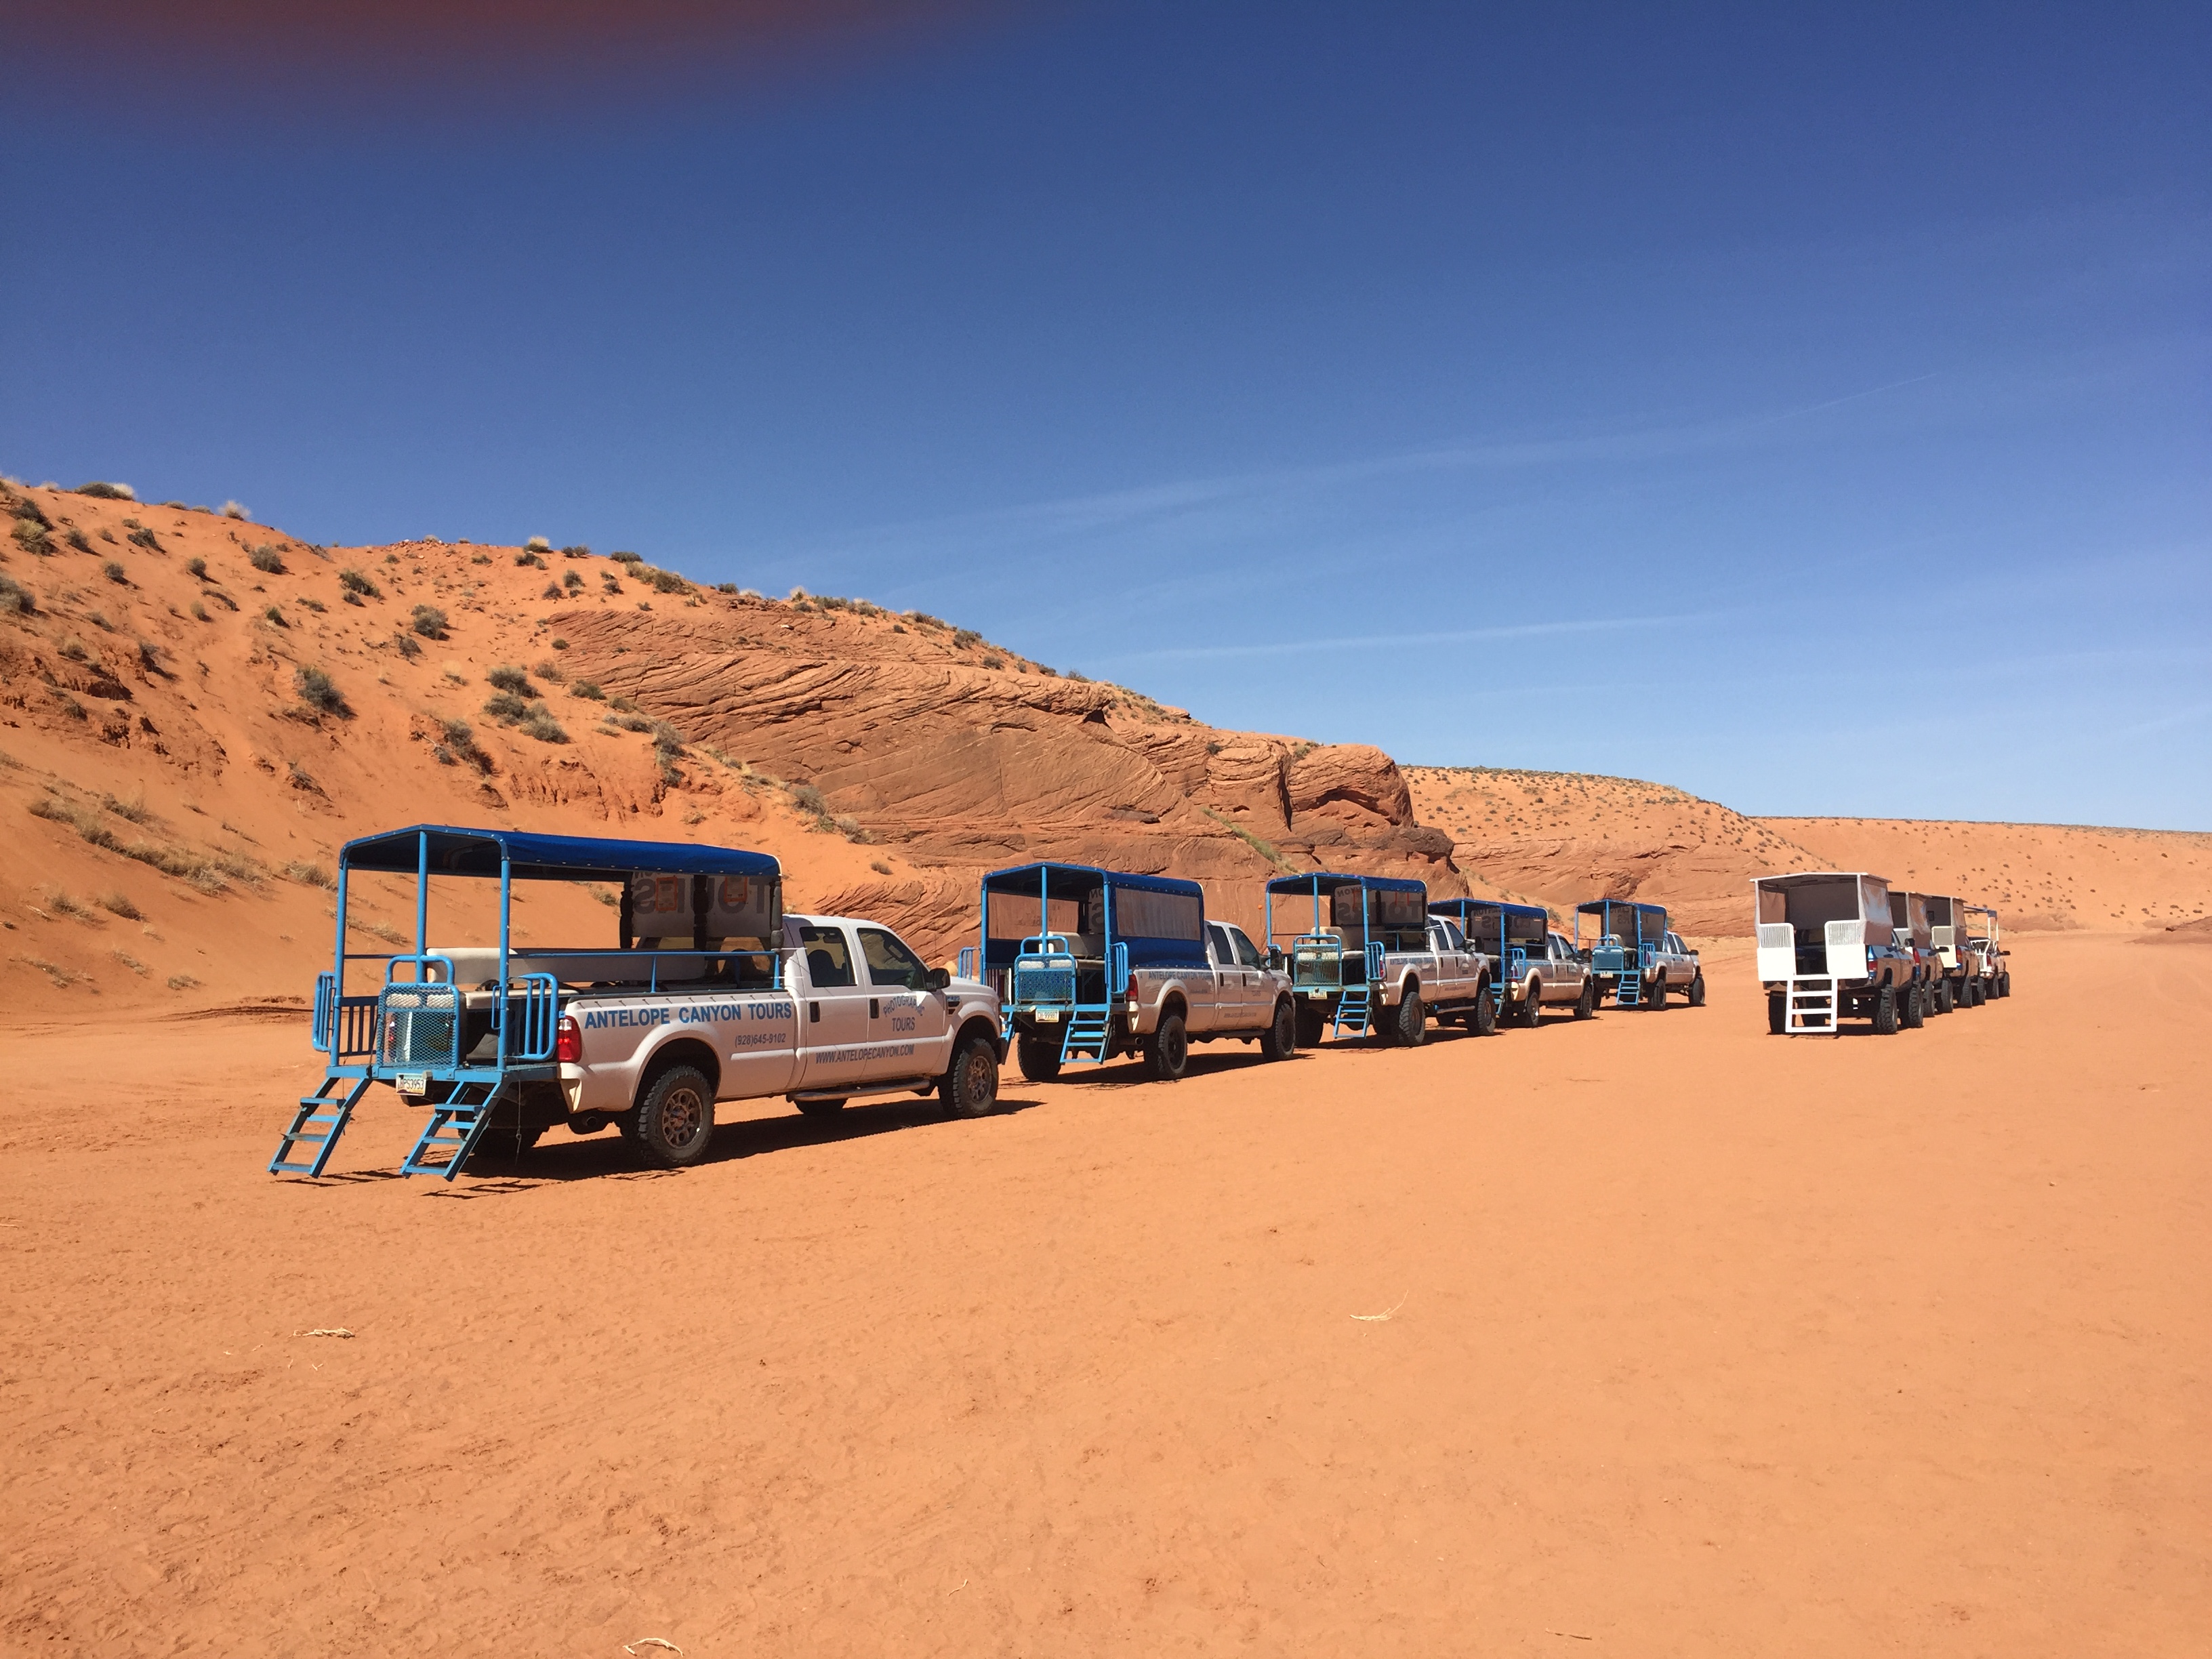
<point x="1988" y="976"/>
<point x="1827" y="952"/>
<point x="712" y="994"/>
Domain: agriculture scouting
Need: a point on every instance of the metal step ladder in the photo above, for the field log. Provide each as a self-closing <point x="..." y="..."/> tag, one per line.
<point x="456" y="1127"/>
<point x="319" y="1121"/>
<point x="1353" y="1011"/>
<point x="1811" y="1008"/>
<point x="1090" y="1035"/>
<point x="1628" y="989"/>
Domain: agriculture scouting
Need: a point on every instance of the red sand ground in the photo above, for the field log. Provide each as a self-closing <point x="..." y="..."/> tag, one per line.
<point x="1699" y="1341"/>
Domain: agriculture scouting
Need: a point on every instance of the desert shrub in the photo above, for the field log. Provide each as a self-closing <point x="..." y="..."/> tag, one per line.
<point x="994" y="662"/>
<point x="623" y="706"/>
<point x="665" y="581"/>
<point x="625" y="557"/>
<point x="965" y="637"/>
<point x="547" y="669"/>
<point x="107" y="535"/>
<point x="552" y="591"/>
<point x="34" y="538"/>
<point x="149" y="656"/>
<point x="115" y="572"/>
<point x="480" y="559"/>
<point x="75" y="540"/>
<point x="318" y="690"/>
<point x="222" y="599"/>
<point x="182" y="982"/>
<point x="146" y="538"/>
<point x="506" y="676"/>
<point x="265" y="558"/>
<point x="120" y="904"/>
<point x="726" y="587"/>
<point x="808" y="799"/>
<point x="607" y="577"/>
<point x="128" y="960"/>
<point x="898" y="627"/>
<point x="588" y="689"/>
<point x="236" y="510"/>
<point x="530" y="558"/>
<point x="571" y="580"/>
<point x="924" y="619"/>
<point x="354" y="582"/>
<point x="560" y="645"/>
<point x="505" y="707"/>
<point x="429" y="621"/>
<point x="578" y="551"/>
<point x="73" y="648"/>
<point x="851" y="828"/>
<point x="311" y="875"/>
<point x="108" y="492"/>
<point x="314" y="604"/>
<point x="460" y="746"/>
<point x="15" y="600"/>
<point x="196" y="566"/>
<point x="537" y="544"/>
<point x="630" y="722"/>
<point x="200" y="612"/>
<point x="408" y="646"/>
<point x="540" y="724"/>
<point x="831" y="602"/>
<point x="1041" y="669"/>
<point x="880" y="866"/>
<point x="276" y="616"/>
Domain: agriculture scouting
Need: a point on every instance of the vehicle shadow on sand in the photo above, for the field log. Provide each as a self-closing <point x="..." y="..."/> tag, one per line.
<point x="608" y="1157"/>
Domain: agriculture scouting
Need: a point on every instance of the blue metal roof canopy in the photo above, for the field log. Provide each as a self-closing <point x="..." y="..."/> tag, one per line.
<point x="1313" y="879"/>
<point x="1460" y="909"/>
<point x="448" y="850"/>
<point x="1147" y="947"/>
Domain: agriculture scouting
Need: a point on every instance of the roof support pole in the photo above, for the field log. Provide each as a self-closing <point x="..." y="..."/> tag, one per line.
<point x="421" y="898"/>
<point x="505" y="895"/>
<point x="337" y="964"/>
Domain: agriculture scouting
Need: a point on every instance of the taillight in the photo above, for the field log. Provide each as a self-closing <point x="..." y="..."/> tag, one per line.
<point x="569" y="1041"/>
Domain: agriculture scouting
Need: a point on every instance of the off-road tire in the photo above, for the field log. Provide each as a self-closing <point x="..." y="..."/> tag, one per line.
<point x="969" y="1087"/>
<point x="1778" y="1013"/>
<point x="1981" y="993"/>
<point x="1167" y="1051"/>
<point x="2004" y="984"/>
<point x="1281" y="1039"/>
<point x="1885" y="1012"/>
<point x="1944" y="996"/>
<point x="1483" y="1021"/>
<point x="1038" y="1056"/>
<point x="1696" y="998"/>
<point x="1914" y="1014"/>
<point x="504" y="1143"/>
<point x="1530" y="1013"/>
<point x="1586" y="1004"/>
<point x="1409" y="1025"/>
<point x="820" y="1107"/>
<point x="1312" y="1022"/>
<point x="1654" y="994"/>
<point x="674" y="1117"/>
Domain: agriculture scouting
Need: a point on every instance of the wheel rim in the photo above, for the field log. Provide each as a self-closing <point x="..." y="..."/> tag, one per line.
<point x="681" y="1114"/>
<point x="976" y="1077"/>
<point x="1173" y="1048"/>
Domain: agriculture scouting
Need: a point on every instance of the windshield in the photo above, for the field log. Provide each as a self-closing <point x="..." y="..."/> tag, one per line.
<point x="890" y="962"/>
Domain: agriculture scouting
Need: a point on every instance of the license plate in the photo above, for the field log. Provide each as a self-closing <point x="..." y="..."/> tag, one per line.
<point x="412" y="1082"/>
<point x="1048" y="1015"/>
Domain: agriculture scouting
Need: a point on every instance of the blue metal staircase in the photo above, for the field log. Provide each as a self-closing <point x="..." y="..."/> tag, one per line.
<point x="1090" y="1035"/>
<point x="319" y="1121"/>
<point x="1628" y="989"/>
<point x="454" y="1127"/>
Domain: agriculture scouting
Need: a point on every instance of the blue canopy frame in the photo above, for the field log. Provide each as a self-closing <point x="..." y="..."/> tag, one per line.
<point x="1050" y="880"/>
<point x="1311" y="883"/>
<point x="1512" y="958"/>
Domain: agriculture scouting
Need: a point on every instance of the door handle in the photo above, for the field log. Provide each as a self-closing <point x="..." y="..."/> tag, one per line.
<point x="814" y="1014"/>
<point x="874" y="1012"/>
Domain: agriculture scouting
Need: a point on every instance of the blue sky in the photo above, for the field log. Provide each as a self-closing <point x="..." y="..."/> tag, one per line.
<point x="1808" y="411"/>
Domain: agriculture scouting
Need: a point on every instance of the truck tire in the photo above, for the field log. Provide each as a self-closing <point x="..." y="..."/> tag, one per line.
<point x="1483" y="1021"/>
<point x="1167" y="1051"/>
<point x="1655" y="991"/>
<point x="1696" y="998"/>
<point x="969" y="1087"/>
<point x="1943" y="996"/>
<point x="1778" y="1013"/>
<point x="1281" y="1039"/>
<point x="1586" y="1004"/>
<point x="1410" y="1028"/>
<point x="1915" y="1013"/>
<point x="1531" y="1013"/>
<point x="820" y="1107"/>
<point x="504" y="1143"/>
<point x="2004" y="983"/>
<point x="1885" y="1012"/>
<point x="1038" y="1057"/>
<point x="1976" y="994"/>
<point x="674" y="1117"/>
<point x="1312" y="1023"/>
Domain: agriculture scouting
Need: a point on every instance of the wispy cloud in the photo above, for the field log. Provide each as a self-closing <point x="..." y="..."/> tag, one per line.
<point x="1450" y="636"/>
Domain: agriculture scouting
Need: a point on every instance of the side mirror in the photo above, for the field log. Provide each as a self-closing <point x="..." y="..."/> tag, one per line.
<point x="1275" y="958"/>
<point x="940" y="978"/>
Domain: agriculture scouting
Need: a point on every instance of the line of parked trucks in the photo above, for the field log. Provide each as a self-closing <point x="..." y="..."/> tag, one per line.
<point x="713" y="992"/>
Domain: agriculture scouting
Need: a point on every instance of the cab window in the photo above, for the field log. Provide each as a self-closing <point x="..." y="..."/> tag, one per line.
<point x="828" y="959"/>
<point x="1247" y="952"/>
<point x="890" y="962"/>
<point x="1224" y="954"/>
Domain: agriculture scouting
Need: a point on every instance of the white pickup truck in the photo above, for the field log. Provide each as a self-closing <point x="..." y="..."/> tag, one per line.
<point x="858" y="1013"/>
<point x="1364" y="952"/>
<point x="1674" y="966"/>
